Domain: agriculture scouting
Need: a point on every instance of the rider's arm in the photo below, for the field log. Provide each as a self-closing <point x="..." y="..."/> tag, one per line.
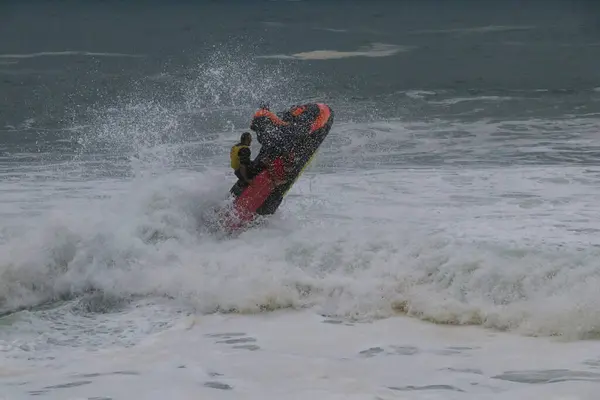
<point x="244" y="155"/>
<point x="244" y="173"/>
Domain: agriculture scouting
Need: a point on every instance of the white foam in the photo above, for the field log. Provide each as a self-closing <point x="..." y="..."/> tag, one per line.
<point x="475" y="98"/>
<point x="476" y="29"/>
<point x="419" y="94"/>
<point x="375" y="50"/>
<point x="297" y="356"/>
<point x="447" y="245"/>
<point x="335" y="30"/>
<point x="67" y="53"/>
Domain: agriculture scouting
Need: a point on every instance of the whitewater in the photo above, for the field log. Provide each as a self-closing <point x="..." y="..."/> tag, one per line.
<point x="445" y="281"/>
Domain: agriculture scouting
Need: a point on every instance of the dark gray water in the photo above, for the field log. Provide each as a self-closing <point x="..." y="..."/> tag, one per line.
<point x="537" y="60"/>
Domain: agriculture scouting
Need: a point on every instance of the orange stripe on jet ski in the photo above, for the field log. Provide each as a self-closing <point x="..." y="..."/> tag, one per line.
<point x="274" y="118"/>
<point x="322" y="119"/>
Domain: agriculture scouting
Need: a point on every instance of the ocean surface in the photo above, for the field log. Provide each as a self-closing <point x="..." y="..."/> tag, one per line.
<point x="444" y="244"/>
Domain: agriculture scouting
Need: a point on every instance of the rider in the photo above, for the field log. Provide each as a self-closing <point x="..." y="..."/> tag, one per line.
<point x="272" y="134"/>
<point x="240" y="159"/>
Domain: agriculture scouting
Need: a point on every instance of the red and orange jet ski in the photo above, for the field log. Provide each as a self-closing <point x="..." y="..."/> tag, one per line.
<point x="289" y="141"/>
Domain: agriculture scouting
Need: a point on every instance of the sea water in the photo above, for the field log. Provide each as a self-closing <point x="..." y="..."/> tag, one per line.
<point x="442" y="245"/>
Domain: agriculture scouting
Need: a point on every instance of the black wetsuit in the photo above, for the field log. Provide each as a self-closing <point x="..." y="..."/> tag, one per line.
<point x="252" y="169"/>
